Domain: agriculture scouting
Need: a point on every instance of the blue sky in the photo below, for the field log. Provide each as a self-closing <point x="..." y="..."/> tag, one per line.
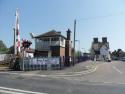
<point x="95" y="18"/>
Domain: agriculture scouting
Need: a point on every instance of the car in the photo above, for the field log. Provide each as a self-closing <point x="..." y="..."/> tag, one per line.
<point x="115" y="58"/>
<point x="122" y="59"/>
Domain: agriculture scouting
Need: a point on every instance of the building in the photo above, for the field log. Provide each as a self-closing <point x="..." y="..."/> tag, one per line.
<point x="53" y="44"/>
<point x="28" y="53"/>
<point x="100" y="50"/>
<point x="95" y="48"/>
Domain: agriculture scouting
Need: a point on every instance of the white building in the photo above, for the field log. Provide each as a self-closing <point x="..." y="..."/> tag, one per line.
<point x="100" y="50"/>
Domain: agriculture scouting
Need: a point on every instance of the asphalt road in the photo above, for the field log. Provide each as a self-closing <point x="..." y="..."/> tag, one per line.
<point x="109" y="78"/>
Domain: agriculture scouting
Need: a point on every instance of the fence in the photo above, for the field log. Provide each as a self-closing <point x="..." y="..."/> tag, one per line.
<point x="45" y="63"/>
<point x="2" y="56"/>
<point x="5" y="57"/>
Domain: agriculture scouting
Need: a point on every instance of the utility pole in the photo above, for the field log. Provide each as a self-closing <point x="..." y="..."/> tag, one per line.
<point x="74" y="42"/>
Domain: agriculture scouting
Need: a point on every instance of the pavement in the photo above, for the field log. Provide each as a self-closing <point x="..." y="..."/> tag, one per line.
<point x="3" y="68"/>
<point x="77" y="70"/>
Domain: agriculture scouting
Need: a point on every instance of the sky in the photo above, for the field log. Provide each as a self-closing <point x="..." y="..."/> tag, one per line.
<point x="94" y="18"/>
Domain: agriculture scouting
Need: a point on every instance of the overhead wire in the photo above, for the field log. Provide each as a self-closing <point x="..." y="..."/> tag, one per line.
<point x="100" y="17"/>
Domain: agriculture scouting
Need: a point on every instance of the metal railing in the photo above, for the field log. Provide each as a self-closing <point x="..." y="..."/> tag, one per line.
<point x="41" y="63"/>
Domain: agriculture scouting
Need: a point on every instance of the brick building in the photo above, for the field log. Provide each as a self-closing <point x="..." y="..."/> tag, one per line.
<point x="53" y="44"/>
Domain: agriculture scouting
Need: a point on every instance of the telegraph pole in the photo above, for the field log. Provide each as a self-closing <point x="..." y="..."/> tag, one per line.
<point x="74" y="60"/>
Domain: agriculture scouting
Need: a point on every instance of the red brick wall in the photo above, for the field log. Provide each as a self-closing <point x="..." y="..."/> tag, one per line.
<point x="68" y="48"/>
<point x="62" y="51"/>
<point x="55" y="51"/>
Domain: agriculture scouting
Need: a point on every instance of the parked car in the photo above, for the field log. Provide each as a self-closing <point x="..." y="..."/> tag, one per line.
<point x="115" y="58"/>
<point x="122" y="59"/>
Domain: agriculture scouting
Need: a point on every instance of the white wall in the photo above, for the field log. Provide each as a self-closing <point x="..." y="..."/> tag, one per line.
<point x="4" y="56"/>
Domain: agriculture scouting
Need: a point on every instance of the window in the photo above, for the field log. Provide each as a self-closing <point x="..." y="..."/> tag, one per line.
<point x="62" y="39"/>
<point x="46" y="39"/>
<point x="55" y="39"/>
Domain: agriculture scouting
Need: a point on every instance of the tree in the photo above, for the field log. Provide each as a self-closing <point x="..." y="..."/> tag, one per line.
<point x="11" y="50"/>
<point x="118" y="53"/>
<point x="3" y="47"/>
<point x="114" y="53"/>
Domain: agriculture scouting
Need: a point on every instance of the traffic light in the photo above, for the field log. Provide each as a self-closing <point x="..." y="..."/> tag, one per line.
<point x="26" y="43"/>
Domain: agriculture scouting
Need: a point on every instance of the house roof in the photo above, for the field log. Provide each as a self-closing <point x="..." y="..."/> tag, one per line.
<point x="30" y="50"/>
<point x="50" y="34"/>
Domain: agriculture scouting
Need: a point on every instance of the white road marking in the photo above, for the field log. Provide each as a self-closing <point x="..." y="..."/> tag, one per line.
<point x="17" y="91"/>
<point x="9" y="92"/>
<point x="117" y="70"/>
<point x="9" y="73"/>
<point x="103" y="82"/>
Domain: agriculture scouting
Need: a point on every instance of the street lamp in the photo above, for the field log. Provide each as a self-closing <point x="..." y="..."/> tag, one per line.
<point x="78" y="42"/>
<point x="83" y="49"/>
<point x="79" y="47"/>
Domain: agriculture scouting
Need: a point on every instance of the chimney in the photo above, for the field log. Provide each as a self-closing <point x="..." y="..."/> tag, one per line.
<point x="68" y="34"/>
<point x="104" y="39"/>
<point x="68" y="49"/>
<point x="95" y="40"/>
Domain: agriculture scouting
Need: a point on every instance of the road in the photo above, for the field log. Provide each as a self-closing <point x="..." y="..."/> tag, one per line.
<point x="109" y="78"/>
